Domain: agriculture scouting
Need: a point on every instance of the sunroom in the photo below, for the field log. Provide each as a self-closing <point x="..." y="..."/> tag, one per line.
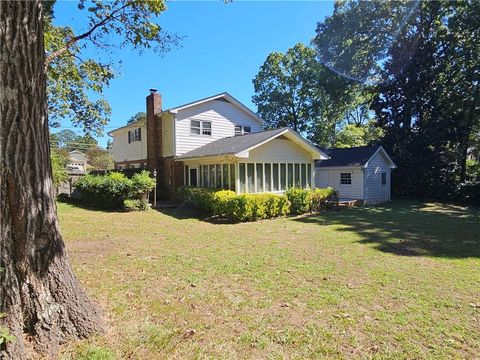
<point x="267" y="161"/>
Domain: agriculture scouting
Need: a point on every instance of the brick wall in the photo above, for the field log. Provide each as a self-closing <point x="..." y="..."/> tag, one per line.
<point x="169" y="172"/>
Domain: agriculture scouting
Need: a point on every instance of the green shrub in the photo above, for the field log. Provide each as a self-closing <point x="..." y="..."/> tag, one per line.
<point x="300" y="200"/>
<point x="221" y="201"/>
<point x="236" y="208"/>
<point x="251" y="207"/>
<point x="201" y="198"/>
<point x="319" y="198"/>
<point x="136" y="205"/>
<point x="141" y="185"/>
<point x="110" y="191"/>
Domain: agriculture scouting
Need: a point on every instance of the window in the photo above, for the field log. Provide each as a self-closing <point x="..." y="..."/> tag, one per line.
<point x="205" y="176"/>
<point x="345" y="179"/>
<point x="290" y="181"/>
<point x="268" y="174"/>
<point x="231" y="183"/>
<point x="283" y="176"/>
<point x="240" y="130"/>
<point x="259" y="178"/>
<point x="297" y="176"/>
<point x="250" y="178"/>
<point x="225" y="176"/>
<point x="206" y="128"/>
<point x="384" y="178"/>
<point x="134" y="135"/>
<point x="212" y="175"/>
<point x="309" y="175"/>
<point x="218" y="176"/>
<point x="198" y="127"/>
<point x="241" y="169"/>
<point x="275" y="178"/>
<point x="303" y="176"/>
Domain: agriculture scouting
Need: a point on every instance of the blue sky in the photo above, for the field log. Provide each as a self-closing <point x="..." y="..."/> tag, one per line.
<point x="223" y="47"/>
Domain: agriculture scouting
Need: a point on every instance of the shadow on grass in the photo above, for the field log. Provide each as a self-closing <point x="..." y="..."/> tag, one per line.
<point x="184" y="212"/>
<point x="410" y="228"/>
<point x="82" y="205"/>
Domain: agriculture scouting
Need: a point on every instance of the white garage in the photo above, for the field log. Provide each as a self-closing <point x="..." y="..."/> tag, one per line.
<point x="358" y="173"/>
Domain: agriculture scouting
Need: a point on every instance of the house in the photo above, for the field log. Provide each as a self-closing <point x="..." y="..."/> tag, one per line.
<point x="77" y="162"/>
<point x="358" y="173"/>
<point x="218" y="142"/>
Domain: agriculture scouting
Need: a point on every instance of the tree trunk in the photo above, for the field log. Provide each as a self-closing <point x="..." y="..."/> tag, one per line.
<point x="43" y="304"/>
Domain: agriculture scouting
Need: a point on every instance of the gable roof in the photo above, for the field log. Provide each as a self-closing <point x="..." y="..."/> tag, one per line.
<point x="238" y="145"/>
<point x="222" y="96"/>
<point x="355" y="156"/>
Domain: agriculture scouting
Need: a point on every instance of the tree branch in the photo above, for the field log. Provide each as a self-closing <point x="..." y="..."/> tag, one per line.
<point x="73" y="40"/>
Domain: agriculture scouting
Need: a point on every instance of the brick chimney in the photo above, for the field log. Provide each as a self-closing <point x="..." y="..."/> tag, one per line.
<point x="154" y="128"/>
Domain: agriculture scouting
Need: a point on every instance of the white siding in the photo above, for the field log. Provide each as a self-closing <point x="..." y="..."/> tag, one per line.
<point x="122" y="150"/>
<point x="279" y="150"/>
<point x="374" y="191"/>
<point x="331" y="177"/>
<point x="223" y="115"/>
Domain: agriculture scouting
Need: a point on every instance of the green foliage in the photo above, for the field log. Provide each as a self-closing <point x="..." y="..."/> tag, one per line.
<point x="5" y="335"/>
<point x="319" y="198"/>
<point x="141" y="184"/>
<point x="99" y="159"/>
<point x="110" y="191"/>
<point x="221" y="201"/>
<point x="136" y="205"/>
<point x="94" y="352"/>
<point x="69" y="140"/>
<point x="201" y="198"/>
<point x="137" y="117"/>
<point x="75" y="83"/>
<point x="296" y="91"/>
<point x="251" y="207"/>
<point x="358" y="135"/>
<point x="419" y="62"/>
<point x="473" y="170"/>
<point x="59" y="173"/>
<point x="299" y="199"/>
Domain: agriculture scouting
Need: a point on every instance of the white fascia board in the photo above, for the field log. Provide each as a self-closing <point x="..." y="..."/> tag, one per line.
<point x="384" y="152"/>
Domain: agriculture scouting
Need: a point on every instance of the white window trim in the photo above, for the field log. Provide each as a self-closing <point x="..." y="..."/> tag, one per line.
<point x="351" y="179"/>
<point x="381" y="178"/>
<point x="242" y="130"/>
<point x="201" y="128"/>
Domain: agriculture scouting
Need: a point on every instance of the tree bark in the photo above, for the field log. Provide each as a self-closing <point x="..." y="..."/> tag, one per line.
<point x="42" y="302"/>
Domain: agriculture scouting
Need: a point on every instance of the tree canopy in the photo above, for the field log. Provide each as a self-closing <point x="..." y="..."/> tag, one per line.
<point x="76" y="82"/>
<point x="421" y="64"/>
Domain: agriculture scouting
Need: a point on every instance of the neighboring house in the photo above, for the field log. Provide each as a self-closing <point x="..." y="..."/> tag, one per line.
<point x="77" y="163"/>
<point x="216" y="142"/>
<point x="472" y="154"/>
<point x="358" y="173"/>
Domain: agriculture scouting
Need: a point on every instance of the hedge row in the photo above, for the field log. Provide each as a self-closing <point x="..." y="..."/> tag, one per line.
<point x="114" y="191"/>
<point x="251" y="207"/>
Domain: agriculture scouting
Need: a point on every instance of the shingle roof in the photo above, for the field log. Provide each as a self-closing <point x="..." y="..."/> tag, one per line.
<point x="232" y="144"/>
<point x="355" y="156"/>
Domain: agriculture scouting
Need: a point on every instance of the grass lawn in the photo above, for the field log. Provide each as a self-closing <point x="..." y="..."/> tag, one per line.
<point x="394" y="282"/>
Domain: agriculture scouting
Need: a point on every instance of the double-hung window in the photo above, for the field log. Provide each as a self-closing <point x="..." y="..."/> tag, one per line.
<point x="135" y="135"/>
<point x="384" y="178"/>
<point x="241" y="130"/>
<point x="198" y="127"/>
<point x="345" y="179"/>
